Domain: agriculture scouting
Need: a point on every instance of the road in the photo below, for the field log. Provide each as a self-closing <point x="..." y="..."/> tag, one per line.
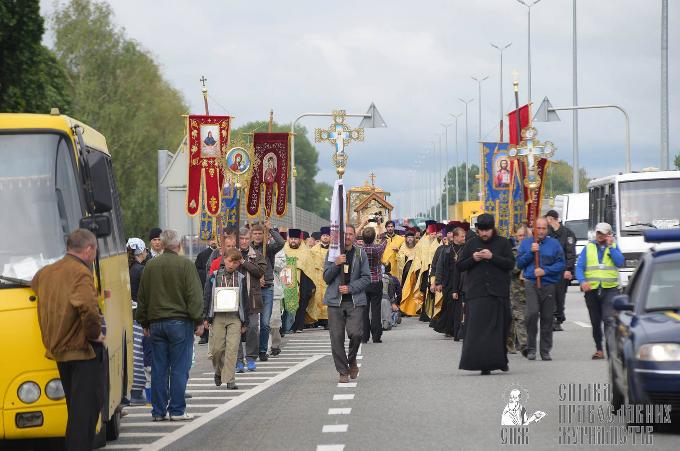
<point x="410" y="394"/>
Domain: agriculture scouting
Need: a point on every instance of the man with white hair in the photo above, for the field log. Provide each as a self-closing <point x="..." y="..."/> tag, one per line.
<point x="170" y="309"/>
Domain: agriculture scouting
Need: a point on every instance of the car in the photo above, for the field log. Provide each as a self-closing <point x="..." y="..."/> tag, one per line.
<point x="644" y="343"/>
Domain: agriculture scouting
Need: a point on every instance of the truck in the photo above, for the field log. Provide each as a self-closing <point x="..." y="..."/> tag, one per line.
<point x="573" y="211"/>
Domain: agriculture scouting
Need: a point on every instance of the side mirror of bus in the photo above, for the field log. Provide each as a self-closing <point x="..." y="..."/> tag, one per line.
<point x="100" y="225"/>
<point x="101" y="182"/>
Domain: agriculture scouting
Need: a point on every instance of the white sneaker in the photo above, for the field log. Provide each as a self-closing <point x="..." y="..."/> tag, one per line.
<point x="184" y="417"/>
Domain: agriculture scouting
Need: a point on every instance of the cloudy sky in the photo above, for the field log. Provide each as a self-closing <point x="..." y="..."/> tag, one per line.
<point x="415" y="60"/>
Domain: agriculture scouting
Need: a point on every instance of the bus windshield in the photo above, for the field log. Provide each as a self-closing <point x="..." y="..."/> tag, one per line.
<point x="39" y="197"/>
<point x="649" y="204"/>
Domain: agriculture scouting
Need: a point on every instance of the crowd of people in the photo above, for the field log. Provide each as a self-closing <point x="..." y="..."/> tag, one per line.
<point x="254" y="284"/>
<point x="497" y="294"/>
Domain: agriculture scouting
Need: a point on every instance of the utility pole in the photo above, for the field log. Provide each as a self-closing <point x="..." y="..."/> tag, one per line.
<point x="467" y="151"/>
<point x="574" y="114"/>
<point x="501" y="49"/>
<point x="665" y="159"/>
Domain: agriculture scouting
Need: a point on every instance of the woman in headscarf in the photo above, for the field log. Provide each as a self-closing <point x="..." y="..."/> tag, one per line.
<point x="137" y="254"/>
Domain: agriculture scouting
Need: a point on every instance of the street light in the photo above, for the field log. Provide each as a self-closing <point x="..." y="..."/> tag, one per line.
<point x="446" y="173"/>
<point x="456" y="116"/>
<point x="467" y="150"/>
<point x="479" y="81"/>
<point x="501" y="49"/>
<point x="528" y="6"/>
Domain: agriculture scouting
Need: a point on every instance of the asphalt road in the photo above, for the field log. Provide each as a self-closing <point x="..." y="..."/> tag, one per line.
<point x="410" y="394"/>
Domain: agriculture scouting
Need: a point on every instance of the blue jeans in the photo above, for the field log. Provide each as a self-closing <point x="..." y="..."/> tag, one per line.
<point x="265" y="317"/>
<point x="171" y="341"/>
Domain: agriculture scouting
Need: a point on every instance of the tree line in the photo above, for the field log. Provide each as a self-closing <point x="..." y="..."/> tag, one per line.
<point x="97" y="74"/>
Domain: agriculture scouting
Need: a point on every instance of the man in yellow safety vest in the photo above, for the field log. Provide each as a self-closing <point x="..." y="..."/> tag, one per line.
<point x="597" y="272"/>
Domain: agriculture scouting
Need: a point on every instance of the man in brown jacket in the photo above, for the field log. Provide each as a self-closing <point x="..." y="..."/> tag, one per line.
<point x="70" y="324"/>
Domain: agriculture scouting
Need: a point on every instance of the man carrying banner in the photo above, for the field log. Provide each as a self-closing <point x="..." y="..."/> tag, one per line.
<point x="347" y="277"/>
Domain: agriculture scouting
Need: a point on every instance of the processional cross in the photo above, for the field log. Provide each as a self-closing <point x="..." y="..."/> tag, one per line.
<point x="340" y="135"/>
<point x="533" y="150"/>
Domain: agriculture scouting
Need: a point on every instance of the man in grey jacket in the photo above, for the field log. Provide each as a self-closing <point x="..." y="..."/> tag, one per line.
<point x="347" y="278"/>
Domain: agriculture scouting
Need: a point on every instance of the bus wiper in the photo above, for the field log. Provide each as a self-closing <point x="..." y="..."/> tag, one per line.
<point x="644" y="224"/>
<point x="26" y="283"/>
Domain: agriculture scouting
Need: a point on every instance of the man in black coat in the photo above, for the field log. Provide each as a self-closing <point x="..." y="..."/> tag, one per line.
<point x="567" y="240"/>
<point x="488" y="260"/>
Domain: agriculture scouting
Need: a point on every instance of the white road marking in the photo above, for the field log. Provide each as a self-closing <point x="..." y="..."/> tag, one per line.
<point x="149" y="423"/>
<point x="131" y="446"/>
<point x="359" y="357"/>
<point x="197" y="423"/>
<point x="216" y="390"/>
<point x="213" y="384"/>
<point x="330" y="447"/>
<point x="582" y="324"/>
<point x="334" y="428"/>
<point x="347" y="385"/>
<point x="343" y="397"/>
<point x="142" y="434"/>
<point x="340" y="411"/>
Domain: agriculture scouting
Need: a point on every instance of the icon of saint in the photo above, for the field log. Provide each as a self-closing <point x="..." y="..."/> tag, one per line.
<point x="270" y="171"/>
<point x="503" y="175"/>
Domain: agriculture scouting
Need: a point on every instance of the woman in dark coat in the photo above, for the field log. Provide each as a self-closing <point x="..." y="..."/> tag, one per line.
<point x="137" y="254"/>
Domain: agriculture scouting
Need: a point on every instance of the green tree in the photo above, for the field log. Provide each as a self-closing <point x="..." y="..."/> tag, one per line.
<point x="118" y="89"/>
<point x="558" y="180"/>
<point x="677" y="161"/>
<point x="31" y="78"/>
<point x="311" y="195"/>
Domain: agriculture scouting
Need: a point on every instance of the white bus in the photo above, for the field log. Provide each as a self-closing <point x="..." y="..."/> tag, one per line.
<point x="632" y="203"/>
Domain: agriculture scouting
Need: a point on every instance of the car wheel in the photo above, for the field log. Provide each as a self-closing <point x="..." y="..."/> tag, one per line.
<point x="113" y="425"/>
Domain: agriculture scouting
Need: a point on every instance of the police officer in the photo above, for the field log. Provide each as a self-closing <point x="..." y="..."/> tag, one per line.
<point x="597" y="271"/>
<point x="567" y="240"/>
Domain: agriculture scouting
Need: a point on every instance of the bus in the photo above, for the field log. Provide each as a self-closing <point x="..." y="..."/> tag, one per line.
<point x="56" y="176"/>
<point x="632" y="203"/>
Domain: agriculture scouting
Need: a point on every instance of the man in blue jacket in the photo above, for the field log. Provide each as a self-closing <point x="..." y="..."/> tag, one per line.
<point x="540" y="301"/>
<point x="347" y="278"/>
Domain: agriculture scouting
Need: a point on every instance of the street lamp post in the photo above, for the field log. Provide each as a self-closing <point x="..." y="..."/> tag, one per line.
<point x="575" y="175"/>
<point x="501" y="49"/>
<point x="456" y="116"/>
<point x="446" y="172"/>
<point x="665" y="159"/>
<point x="440" y="182"/>
<point x="528" y="5"/>
<point x="467" y="150"/>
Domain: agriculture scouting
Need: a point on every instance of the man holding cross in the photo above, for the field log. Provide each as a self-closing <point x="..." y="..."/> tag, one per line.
<point x="543" y="263"/>
<point x="347" y="278"/>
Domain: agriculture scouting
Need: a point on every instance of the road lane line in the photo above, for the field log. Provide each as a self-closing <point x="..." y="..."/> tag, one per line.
<point x="343" y="397"/>
<point x="582" y="324"/>
<point x="347" y="385"/>
<point x="340" y="411"/>
<point x="141" y="434"/>
<point x="330" y="447"/>
<point x="197" y="423"/>
<point x="334" y="428"/>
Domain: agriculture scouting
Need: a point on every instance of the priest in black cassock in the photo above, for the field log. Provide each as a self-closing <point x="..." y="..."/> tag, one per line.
<point x="488" y="260"/>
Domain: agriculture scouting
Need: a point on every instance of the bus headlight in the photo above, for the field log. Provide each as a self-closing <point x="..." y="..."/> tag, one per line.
<point x="660" y="352"/>
<point x="28" y="392"/>
<point x="54" y="390"/>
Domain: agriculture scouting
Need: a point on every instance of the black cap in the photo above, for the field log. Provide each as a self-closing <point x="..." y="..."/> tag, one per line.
<point x="294" y="233"/>
<point x="155" y="233"/>
<point x="485" y="221"/>
<point x="553" y="214"/>
<point x="316" y="235"/>
<point x="325" y="230"/>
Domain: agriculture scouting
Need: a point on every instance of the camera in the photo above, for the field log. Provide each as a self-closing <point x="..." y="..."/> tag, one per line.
<point x="376" y="217"/>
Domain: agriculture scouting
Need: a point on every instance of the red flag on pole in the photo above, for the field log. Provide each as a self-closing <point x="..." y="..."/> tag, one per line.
<point x="512" y="123"/>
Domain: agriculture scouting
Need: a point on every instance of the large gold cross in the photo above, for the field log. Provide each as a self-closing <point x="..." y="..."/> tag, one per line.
<point x="533" y="150"/>
<point x="340" y="135"/>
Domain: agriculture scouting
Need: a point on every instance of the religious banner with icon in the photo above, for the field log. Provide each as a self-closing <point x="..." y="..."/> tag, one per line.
<point x="208" y="141"/>
<point x="502" y="197"/>
<point x="270" y="170"/>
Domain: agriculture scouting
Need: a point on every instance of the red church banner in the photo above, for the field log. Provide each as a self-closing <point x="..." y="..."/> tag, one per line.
<point x="208" y="143"/>
<point x="270" y="174"/>
<point x="512" y="123"/>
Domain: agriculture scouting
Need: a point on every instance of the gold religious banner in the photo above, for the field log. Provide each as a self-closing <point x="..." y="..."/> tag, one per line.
<point x="533" y="150"/>
<point x="340" y="135"/>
